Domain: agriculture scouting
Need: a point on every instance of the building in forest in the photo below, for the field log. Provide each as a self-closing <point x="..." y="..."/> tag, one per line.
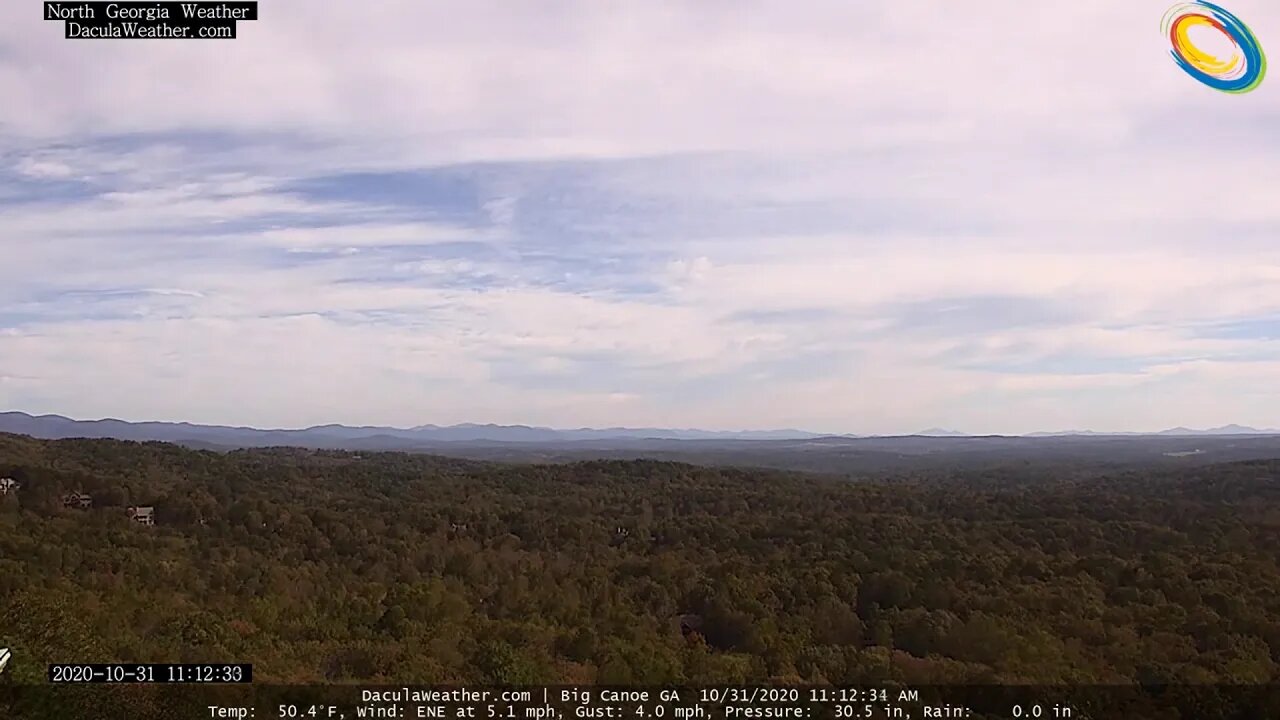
<point x="77" y="501"/>
<point x="143" y="515"/>
<point x="9" y="485"/>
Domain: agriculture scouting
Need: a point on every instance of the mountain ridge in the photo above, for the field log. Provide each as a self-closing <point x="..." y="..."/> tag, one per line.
<point x="59" y="426"/>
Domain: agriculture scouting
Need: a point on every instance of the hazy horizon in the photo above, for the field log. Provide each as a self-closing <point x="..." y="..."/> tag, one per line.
<point x="841" y="218"/>
<point x="671" y="428"/>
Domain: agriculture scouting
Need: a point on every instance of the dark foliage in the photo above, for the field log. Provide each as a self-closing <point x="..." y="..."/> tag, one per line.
<point x="318" y="565"/>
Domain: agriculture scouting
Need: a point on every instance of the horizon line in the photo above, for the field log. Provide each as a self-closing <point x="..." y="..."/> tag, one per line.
<point x="929" y="432"/>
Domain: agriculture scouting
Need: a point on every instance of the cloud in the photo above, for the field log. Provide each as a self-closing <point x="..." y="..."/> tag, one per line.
<point x="34" y="168"/>
<point x="841" y="217"/>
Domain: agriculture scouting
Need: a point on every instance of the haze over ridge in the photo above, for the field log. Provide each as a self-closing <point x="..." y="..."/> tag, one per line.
<point x="56" y="426"/>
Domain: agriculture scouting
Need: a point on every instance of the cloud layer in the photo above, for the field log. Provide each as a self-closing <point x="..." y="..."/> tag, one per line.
<point x="1004" y="217"/>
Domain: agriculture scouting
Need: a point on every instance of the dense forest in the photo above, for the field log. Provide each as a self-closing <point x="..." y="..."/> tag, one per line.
<point x="322" y="566"/>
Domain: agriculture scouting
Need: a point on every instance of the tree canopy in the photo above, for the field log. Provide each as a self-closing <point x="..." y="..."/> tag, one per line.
<point x="321" y="566"/>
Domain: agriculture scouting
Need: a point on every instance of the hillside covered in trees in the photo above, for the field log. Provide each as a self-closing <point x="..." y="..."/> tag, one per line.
<point x="329" y="566"/>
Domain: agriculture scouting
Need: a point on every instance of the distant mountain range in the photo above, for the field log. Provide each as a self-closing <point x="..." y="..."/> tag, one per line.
<point x="57" y="427"/>
<point x="54" y="427"/>
<point x="1171" y="432"/>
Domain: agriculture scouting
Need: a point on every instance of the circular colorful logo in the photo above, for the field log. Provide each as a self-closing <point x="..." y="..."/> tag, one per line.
<point x="1239" y="72"/>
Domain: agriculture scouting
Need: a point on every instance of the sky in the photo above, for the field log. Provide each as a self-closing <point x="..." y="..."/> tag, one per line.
<point x="993" y="216"/>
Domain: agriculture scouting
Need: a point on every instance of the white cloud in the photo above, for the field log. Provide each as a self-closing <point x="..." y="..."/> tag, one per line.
<point x="628" y="79"/>
<point x="34" y="168"/>
<point x="375" y="234"/>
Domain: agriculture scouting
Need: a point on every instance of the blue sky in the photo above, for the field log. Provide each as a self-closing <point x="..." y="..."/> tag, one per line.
<point x="832" y="215"/>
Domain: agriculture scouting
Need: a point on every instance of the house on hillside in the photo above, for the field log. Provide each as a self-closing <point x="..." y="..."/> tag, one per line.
<point x="144" y="515"/>
<point x="77" y="501"/>
<point x="9" y="485"/>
